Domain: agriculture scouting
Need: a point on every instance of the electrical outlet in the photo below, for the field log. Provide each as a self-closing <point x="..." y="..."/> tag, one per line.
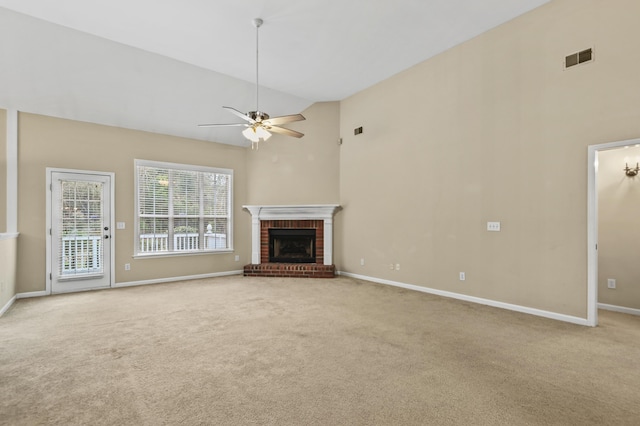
<point x="127" y="266"/>
<point x="362" y="262"/>
<point x="237" y="258"/>
<point x="397" y="266"/>
<point x="463" y="276"/>
<point x="392" y="266"/>
<point x="611" y="283"/>
<point x="493" y="226"/>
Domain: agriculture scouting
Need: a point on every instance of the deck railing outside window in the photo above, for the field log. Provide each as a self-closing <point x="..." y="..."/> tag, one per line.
<point x="150" y="243"/>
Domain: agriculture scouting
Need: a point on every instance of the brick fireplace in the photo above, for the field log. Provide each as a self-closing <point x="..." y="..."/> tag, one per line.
<point x="292" y="241"/>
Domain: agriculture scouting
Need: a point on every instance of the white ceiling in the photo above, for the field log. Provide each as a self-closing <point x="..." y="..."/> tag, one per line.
<point x="166" y="65"/>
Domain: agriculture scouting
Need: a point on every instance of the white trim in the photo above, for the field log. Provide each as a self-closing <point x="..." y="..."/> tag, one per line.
<point x="134" y="283"/>
<point x="32" y="294"/>
<point x="6" y="307"/>
<point x="473" y="299"/>
<point x="592" y="225"/>
<point x="592" y="237"/>
<point x="72" y="290"/>
<point x="173" y="279"/>
<point x="8" y="236"/>
<point x="178" y="254"/>
<point x="616" y="308"/>
<point x="47" y="224"/>
<point x="255" y="240"/>
<point x="179" y="166"/>
<point x="328" y="241"/>
<point x="12" y="171"/>
<point x="294" y="212"/>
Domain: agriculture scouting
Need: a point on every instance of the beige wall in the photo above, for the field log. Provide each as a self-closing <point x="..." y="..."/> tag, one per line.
<point x="51" y="142"/>
<point x="286" y="170"/>
<point x="3" y="170"/>
<point x="618" y="228"/>
<point x="492" y="130"/>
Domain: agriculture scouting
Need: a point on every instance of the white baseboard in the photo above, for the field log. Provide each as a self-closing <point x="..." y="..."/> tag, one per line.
<point x="617" y="308"/>
<point x="473" y="299"/>
<point x="133" y="283"/>
<point x="31" y="294"/>
<point x="466" y="298"/>
<point x="6" y="307"/>
<point x="173" y="279"/>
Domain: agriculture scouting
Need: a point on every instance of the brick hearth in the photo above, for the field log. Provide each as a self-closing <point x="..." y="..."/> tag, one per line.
<point x="299" y="270"/>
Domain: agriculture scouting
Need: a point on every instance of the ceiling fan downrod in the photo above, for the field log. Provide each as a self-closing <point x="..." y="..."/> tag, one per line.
<point x="257" y="22"/>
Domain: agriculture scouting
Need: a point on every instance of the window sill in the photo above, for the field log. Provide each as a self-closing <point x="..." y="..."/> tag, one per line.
<point x="180" y="254"/>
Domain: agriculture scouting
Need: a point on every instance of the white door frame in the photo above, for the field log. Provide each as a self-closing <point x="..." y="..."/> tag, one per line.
<point x="592" y="225"/>
<point x="48" y="224"/>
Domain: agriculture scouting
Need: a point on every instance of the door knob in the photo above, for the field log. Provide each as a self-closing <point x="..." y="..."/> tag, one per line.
<point x="106" y="228"/>
<point x="106" y="237"/>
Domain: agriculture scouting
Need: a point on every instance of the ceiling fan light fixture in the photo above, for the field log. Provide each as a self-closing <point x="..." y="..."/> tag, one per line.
<point x="262" y="133"/>
<point x="250" y="133"/>
<point x="256" y="134"/>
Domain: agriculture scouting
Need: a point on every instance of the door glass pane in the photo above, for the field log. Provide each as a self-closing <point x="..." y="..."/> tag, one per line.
<point x="81" y="221"/>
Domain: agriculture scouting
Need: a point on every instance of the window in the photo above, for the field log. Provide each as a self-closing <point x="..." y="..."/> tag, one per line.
<point x="182" y="209"/>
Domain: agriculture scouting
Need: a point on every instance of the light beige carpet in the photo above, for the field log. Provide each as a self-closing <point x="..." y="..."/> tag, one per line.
<point x="276" y="351"/>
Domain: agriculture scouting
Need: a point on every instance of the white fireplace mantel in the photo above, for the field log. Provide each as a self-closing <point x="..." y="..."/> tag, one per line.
<point x="322" y="212"/>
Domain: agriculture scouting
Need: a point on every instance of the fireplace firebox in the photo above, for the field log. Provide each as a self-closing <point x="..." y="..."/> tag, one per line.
<point x="292" y="245"/>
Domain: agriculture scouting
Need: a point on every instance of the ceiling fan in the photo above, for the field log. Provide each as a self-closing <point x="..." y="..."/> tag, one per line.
<point x="258" y="124"/>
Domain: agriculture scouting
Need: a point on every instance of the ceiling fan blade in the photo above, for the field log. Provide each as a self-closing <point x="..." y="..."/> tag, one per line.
<point x="283" y="131"/>
<point x="275" y="121"/>
<point x="224" y="125"/>
<point x="239" y="114"/>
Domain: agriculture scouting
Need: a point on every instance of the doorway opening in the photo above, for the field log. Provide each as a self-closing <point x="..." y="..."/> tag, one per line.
<point x="592" y="224"/>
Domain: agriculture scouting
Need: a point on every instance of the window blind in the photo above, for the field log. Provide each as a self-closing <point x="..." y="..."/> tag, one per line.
<point x="182" y="208"/>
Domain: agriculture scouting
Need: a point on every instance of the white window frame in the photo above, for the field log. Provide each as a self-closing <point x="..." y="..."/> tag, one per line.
<point x="186" y="167"/>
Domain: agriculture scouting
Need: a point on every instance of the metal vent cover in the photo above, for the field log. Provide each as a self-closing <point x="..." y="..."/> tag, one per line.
<point x="578" y="58"/>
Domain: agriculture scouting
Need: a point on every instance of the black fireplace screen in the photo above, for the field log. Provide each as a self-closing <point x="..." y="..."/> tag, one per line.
<point x="292" y="245"/>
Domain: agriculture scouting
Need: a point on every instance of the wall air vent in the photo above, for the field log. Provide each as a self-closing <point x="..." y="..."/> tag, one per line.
<point x="578" y="58"/>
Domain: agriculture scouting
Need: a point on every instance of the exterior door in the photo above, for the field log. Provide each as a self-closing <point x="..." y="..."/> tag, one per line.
<point x="80" y="231"/>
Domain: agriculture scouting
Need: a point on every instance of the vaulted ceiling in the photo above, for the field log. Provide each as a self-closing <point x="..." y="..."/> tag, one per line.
<point x="164" y="66"/>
